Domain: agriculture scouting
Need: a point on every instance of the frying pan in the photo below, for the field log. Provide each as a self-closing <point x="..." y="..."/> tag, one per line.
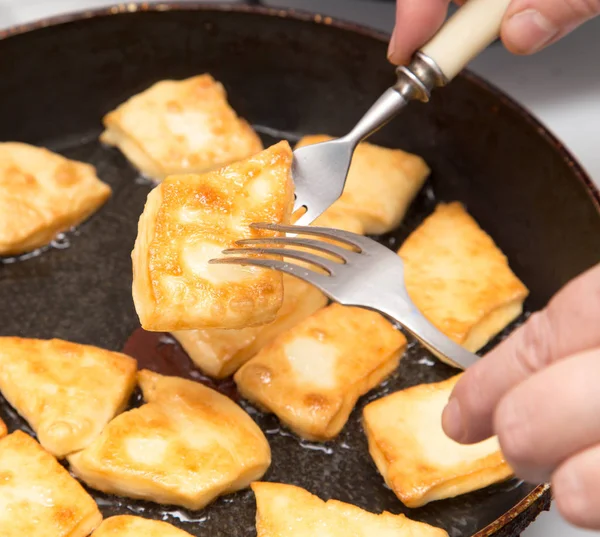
<point x="289" y="74"/>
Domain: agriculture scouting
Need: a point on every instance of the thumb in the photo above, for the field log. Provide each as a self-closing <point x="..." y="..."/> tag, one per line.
<point x="569" y="325"/>
<point x="530" y="25"/>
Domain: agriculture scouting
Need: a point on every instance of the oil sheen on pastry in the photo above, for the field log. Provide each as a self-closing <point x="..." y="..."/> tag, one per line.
<point x="312" y="375"/>
<point x="135" y="526"/>
<point x="380" y="186"/>
<point x="42" y="194"/>
<point x="458" y="277"/>
<point x="66" y="391"/>
<point x="186" y="446"/>
<point x="38" y="497"/>
<point x="290" y="511"/>
<point x="414" y="455"/>
<point x="180" y="126"/>
<point x="188" y="220"/>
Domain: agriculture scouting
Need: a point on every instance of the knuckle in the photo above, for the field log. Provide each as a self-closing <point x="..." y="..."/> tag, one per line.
<point x="533" y="344"/>
<point x="583" y="9"/>
<point x="513" y="434"/>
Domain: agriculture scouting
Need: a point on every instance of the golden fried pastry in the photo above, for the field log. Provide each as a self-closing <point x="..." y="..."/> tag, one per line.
<point x="286" y="510"/>
<point x="135" y="526"/>
<point x="414" y="455"/>
<point x="183" y="126"/>
<point x="381" y="184"/>
<point x="3" y="429"/>
<point x="41" y="194"/>
<point x="459" y="278"/>
<point x="38" y="497"/>
<point x="220" y="353"/>
<point x="186" y="446"/>
<point x="66" y="391"/>
<point x="312" y="375"/>
<point x="188" y="220"/>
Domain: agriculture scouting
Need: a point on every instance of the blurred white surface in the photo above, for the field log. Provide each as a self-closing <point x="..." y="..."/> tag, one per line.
<point x="561" y="86"/>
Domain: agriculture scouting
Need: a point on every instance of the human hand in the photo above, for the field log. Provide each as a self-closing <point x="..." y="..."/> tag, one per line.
<point x="539" y="391"/>
<point x="529" y="25"/>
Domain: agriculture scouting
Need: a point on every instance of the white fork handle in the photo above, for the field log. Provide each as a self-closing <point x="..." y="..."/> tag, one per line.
<point x="475" y="26"/>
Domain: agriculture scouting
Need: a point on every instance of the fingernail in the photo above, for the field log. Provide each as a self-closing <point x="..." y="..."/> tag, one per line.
<point x="529" y="31"/>
<point x="452" y="421"/>
<point x="392" y="45"/>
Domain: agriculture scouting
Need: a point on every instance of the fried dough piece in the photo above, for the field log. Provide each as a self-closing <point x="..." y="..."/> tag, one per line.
<point x="220" y="353"/>
<point x="188" y="220"/>
<point x="3" y="429"/>
<point x="460" y="279"/>
<point x="381" y="184"/>
<point x="38" y="497"/>
<point x="135" y="526"/>
<point x="312" y="376"/>
<point x="186" y="446"/>
<point x="41" y="194"/>
<point x="178" y="127"/>
<point x="286" y="510"/>
<point x="414" y="455"/>
<point x="66" y="391"/>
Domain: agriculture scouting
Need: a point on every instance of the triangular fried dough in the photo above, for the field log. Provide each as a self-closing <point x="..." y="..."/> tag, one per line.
<point x="66" y="391"/>
<point x="38" y="497"/>
<point x="135" y="526"/>
<point x="286" y="510"/>
<point x="186" y="446"/>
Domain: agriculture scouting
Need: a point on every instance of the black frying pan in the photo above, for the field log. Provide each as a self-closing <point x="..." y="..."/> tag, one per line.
<point x="289" y="74"/>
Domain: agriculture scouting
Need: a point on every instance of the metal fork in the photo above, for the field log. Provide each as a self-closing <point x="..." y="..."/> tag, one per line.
<point x="320" y="170"/>
<point x="354" y="271"/>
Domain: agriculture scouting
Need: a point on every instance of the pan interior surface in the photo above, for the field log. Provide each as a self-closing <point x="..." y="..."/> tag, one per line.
<point x="288" y="77"/>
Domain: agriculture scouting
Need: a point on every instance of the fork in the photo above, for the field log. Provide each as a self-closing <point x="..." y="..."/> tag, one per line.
<point x="351" y="269"/>
<point x="320" y="170"/>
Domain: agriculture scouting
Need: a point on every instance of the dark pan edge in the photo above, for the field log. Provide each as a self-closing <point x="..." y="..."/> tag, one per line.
<point x="525" y="512"/>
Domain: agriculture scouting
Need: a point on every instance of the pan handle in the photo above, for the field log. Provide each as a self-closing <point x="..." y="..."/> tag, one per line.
<point x="467" y="33"/>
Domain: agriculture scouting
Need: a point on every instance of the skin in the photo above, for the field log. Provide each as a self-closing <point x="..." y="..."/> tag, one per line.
<point x="529" y="25"/>
<point x="539" y="390"/>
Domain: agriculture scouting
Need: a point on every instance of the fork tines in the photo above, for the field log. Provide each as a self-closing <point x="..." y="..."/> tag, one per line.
<point x="339" y="247"/>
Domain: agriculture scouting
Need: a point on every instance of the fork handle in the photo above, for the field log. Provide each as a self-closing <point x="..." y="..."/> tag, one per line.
<point x="475" y="26"/>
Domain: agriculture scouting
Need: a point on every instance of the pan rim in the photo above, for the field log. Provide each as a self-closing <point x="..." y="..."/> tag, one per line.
<point x="578" y="170"/>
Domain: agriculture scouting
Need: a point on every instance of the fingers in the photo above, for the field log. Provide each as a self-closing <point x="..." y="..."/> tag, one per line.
<point x="576" y="489"/>
<point x="550" y="416"/>
<point x="569" y="325"/>
<point x="416" y="22"/>
<point x="530" y="25"/>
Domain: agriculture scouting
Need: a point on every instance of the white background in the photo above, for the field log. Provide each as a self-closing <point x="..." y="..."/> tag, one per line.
<point x="560" y="85"/>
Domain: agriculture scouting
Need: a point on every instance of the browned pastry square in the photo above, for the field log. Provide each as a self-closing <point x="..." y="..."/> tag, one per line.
<point x="178" y="127"/>
<point x="188" y="220"/>
<point x="414" y="455"/>
<point x="312" y="375"/>
<point x="41" y="194"/>
<point x="458" y="277"/>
